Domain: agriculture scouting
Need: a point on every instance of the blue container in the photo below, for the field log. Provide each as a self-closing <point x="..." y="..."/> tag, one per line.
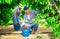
<point x="17" y="27"/>
<point x="25" y="32"/>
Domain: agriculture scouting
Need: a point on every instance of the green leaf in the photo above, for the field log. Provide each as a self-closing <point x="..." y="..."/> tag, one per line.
<point x="39" y="37"/>
<point x="0" y="1"/>
<point x="8" y="2"/>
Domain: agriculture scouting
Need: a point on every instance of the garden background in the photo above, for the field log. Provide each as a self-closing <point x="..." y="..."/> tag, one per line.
<point x="48" y="16"/>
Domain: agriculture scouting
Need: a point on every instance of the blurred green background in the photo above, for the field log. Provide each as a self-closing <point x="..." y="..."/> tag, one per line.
<point x="48" y="12"/>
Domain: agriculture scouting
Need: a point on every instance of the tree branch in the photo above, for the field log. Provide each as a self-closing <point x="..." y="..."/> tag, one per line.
<point x="56" y="6"/>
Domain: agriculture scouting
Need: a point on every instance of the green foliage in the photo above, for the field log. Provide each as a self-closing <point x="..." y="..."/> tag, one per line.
<point x="40" y="37"/>
<point x="5" y="1"/>
<point x="6" y="15"/>
<point x="8" y="2"/>
<point x="6" y="7"/>
<point x="46" y="11"/>
<point x="56" y="30"/>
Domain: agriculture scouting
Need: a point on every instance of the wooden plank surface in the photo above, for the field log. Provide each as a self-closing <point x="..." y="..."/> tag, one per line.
<point x="10" y="29"/>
